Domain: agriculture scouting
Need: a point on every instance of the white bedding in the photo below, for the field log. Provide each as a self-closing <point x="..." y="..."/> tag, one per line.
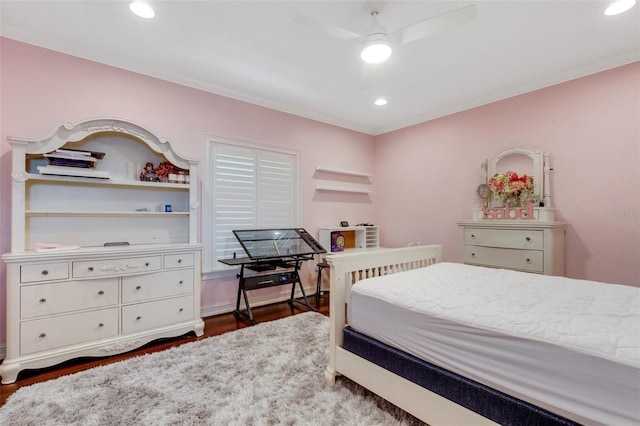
<point x="569" y="346"/>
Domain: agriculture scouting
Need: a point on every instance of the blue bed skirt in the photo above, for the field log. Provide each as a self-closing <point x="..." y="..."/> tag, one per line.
<point x="488" y="402"/>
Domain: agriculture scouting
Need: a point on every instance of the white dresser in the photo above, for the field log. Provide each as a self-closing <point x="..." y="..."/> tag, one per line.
<point x="97" y="303"/>
<point x="529" y="246"/>
<point x="129" y="271"/>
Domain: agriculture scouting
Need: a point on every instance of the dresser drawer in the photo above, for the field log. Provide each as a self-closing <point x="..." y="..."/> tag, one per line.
<point x="56" y="298"/>
<point x="178" y="260"/>
<point x="144" y="316"/>
<point x="56" y="332"/>
<point x="506" y="238"/>
<point x="524" y="260"/>
<point x="101" y="268"/>
<point x="44" y="272"/>
<point x="138" y="288"/>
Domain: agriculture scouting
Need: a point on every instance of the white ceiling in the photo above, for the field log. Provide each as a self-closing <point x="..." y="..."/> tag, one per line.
<point x="255" y="52"/>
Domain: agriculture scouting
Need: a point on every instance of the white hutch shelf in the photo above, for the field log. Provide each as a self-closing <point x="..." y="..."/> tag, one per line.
<point x="99" y="299"/>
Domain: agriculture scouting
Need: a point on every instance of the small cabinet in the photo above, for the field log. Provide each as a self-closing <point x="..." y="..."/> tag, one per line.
<point x="355" y="237"/>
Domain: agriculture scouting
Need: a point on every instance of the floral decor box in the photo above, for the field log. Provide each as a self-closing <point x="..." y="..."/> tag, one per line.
<point x="528" y="212"/>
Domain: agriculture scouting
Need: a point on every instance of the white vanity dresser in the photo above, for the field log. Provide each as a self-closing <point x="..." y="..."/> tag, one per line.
<point x="527" y="238"/>
<point x="126" y="268"/>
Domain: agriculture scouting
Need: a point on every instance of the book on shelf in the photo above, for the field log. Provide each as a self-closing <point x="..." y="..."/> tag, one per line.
<point x="73" y="171"/>
<point x="79" y="153"/>
<point x="69" y="161"/>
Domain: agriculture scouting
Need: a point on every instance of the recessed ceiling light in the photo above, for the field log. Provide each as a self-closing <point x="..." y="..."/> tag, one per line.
<point x="380" y="101"/>
<point x="142" y="9"/>
<point x="619" y="6"/>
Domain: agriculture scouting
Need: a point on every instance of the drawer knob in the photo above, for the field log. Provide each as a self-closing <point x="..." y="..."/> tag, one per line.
<point x="42" y="335"/>
<point x="180" y="282"/>
<point x="100" y="325"/>
<point x="473" y="236"/>
<point x="179" y="260"/>
<point x="90" y="269"/>
<point x="528" y="260"/>
<point x="473" y="255"/>
<point x="43" y="300"/>
<point x="528" y="239"/>
<point x="146" y="264"/>
<point x="45" y="272"/>
<point x="138" y="287"/>
<point x="100" y="293"/>
<point x="181" y="310"/>
<point x="138" y="318"/>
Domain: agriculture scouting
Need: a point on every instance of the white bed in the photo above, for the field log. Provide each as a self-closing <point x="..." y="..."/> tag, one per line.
<point x="579" y="360"/>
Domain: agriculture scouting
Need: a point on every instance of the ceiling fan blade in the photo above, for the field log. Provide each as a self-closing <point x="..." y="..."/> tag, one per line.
<point x="436" y="24"/>
<point x="329" y="29"/>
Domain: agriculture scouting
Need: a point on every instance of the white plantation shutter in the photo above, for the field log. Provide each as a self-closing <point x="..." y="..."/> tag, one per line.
<point x="249" y="187"/>
<point x="275" y="199"/>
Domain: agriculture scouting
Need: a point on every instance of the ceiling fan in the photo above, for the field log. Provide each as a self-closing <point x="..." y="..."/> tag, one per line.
<point x="376" y="42"/>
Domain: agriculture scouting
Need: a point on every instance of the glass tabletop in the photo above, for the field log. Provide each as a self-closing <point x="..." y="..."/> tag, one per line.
<point x="277" y="243"/>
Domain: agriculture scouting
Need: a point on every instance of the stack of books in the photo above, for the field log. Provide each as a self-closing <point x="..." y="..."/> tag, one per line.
<point x="72" y="162"/>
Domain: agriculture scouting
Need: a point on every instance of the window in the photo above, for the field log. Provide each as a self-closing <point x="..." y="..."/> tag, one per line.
<point x="245" y="186"/>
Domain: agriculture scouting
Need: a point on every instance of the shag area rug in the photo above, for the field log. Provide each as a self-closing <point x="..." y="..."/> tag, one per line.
<point x="269" y="374"/>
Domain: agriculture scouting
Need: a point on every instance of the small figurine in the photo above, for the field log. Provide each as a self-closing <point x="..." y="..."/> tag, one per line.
<point x="148" y="173"/>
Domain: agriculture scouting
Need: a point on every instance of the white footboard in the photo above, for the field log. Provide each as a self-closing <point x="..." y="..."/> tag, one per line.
<point x="346" y="270"/>
<point x="349" y="268"/>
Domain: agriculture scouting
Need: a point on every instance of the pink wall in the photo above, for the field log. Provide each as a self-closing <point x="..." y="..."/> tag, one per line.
<point x="424" y="175"/>
<point x="427" y="174"/>
<point x="41" y="88"/>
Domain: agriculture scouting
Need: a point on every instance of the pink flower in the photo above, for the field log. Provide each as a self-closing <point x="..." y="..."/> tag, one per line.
<point x="508" y="184"/>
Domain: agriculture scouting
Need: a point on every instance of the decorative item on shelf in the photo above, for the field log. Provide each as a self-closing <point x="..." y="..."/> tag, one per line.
<point x="148" y="174"/>
<point x="165" y="169"/>
<point x="165" y="172"/>
<point x="510" y="188"/>
<point x="337" y="241"/>
<point x="484" y="193"/>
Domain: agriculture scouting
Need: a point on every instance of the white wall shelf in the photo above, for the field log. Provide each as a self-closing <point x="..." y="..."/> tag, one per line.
<point x="342" y="171"/>
<point x="351" y="189"/>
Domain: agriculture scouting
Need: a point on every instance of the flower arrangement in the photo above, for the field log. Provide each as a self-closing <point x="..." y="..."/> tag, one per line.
<point x="509" y="187"/>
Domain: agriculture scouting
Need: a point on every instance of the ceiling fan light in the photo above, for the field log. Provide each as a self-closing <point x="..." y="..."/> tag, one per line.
<point x="619" y="6"/>
<point x="375" y="49"/>
<point x="142" y="9"/>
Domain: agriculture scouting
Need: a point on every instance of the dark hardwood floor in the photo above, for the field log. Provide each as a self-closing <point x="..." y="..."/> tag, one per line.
<point x="214" y="326"/>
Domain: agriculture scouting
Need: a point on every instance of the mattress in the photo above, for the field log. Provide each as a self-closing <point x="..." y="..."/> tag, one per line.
<point x="569" y="346"/>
